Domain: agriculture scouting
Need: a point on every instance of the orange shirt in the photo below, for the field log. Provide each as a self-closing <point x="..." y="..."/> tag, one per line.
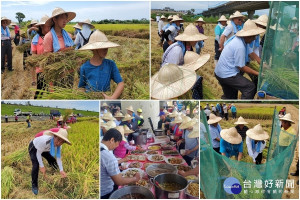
<point x="48" y="42"/>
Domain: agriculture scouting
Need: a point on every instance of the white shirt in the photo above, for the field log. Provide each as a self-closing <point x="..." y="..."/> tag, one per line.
<point x="157" y="18"/>
<point x="252" y="152"/>
<point x="160" y="25"/>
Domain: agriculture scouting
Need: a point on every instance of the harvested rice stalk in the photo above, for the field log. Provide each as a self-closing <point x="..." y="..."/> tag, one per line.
<point x="254" y="65"/>
<point x="23" y="47"/>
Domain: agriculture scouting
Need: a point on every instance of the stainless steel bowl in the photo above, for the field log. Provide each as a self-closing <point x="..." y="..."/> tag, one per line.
<point x="132" y="190"/>
<point x="163" y="167"/>
<point x="189" y="196"/>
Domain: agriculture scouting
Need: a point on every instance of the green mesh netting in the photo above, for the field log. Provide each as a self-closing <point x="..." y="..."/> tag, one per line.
<point x="215" y="168"/>
<point x="280" y="58"/>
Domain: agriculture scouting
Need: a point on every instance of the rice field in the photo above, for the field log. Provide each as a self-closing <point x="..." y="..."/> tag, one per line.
<point x="80" y="161"/>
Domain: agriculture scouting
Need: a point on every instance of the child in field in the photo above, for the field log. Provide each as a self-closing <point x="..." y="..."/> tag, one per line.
<point x="96" y="73"/>
<point x="48" y="146"/>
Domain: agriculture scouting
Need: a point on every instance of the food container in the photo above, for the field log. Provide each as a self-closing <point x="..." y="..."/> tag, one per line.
<point x="160" y="193"/>
<point x="132" y="190"/>
<point x="189" y="196"/>
<point x="170" y="169"/>
<point x="140" y="138"/>
<point x="158" y="132"/>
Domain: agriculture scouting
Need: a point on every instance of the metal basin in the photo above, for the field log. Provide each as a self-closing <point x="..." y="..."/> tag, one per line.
<point x="164" y="168"/>
<point x="132" y="190"/>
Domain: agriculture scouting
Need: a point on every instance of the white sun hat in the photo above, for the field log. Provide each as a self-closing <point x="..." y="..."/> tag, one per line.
<point x="42" y="21"/>
<point x="262" y="20"/>
<point x="241" y="120"/>
<point x="213" y="119"/>
<point x="98" y="40"/>
<point x="231" y="135"/>
<point x="59" y="11"/>
<point x="191" y="33"/>
<point x="250" y="29"/>
<point x="194" y="61"/>
<point x="257" y="133"/>
<point x="88" y="22"/>
<point x="287" y="117"/>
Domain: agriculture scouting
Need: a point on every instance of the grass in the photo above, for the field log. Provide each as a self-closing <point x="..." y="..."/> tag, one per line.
<point x="8" y="109"/>
<point x="80" y="161"/>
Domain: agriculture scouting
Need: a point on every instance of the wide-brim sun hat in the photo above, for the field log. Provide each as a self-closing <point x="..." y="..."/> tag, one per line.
<point x="250" y="29"/>
<point x="59" y="11"/>
<point x="177" y="120"/>
<point x="170" y="17"/>
<point x="191" y="34"/>
<point x="222" y="19"/>
<point x="163" y="17"/>
<point x="6" y="19"/>
<point x="287" y="117"/>
<point x="105" y="105"/>
<point x="118" y="114"/>
<point x="42" y="21"/>
<point x="236" y="15"/>
<point x="187" y="122"/>
<point x="241" y="120"/>
<point x="121" y="130"/>
<point x="77" y="26"/>
<point x="108" y="116"/>
<point x="32" y="23"/>
<point x="62" y="134"/>
<point x="262" y="20"/>
<point x="88" y="22"/>
<point x="98" y="40"/>
<point x="172" y="81"/>
<point x="213" y="119"/>
<point x="127" y="130"/>
<point x="200" y="20"/>
<point x="127" y="117"/>
<point x="130" y="108"/>
<point x="175" y="18"/>
<point x="194" y="61"/>
<point x="173" y="114"/>
<point x="231" y="135"/>
<point x="195" y="132"/>
<point x="110" y="124"/>
<point x="257" y="133"/>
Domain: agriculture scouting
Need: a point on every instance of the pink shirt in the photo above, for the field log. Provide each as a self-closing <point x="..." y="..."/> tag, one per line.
<point x="38" y="49"/>
<point x="48" y="42"/>
<point x="120" y="151"/>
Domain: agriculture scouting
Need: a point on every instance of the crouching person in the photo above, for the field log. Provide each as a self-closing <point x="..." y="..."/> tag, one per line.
<point x="48" y="146"/>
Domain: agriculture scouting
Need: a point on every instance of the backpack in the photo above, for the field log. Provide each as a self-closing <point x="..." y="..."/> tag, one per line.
<point x="85" y="41"/>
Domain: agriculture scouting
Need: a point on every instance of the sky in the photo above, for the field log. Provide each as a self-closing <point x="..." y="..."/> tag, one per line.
<point x="199" y="6"/>
<point x="79" y="105"/>
<point x="93" y="10"/>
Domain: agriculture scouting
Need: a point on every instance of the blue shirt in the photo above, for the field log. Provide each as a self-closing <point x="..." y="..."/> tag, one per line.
<point x="233" y="109"/>
<point x="232" y="58"/>
<point x="97" y="78"/>
<point x="215" y="133"/>
<point x="219" y="30"/>
<point x="230" y="149"/>
<point x="190" y="143"/>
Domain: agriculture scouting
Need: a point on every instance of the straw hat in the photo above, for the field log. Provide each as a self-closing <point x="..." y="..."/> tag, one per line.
<point x="194" y="61"/>
<point x="62" y="134"/>
<point x="262" y="20"/>
<point x="257" y="133"/>
<point x="5" y="18"/>
<point x="176" y="18"/>
<point x="287" y="117"/>
<point x="121" y="130"/>
<point x="200" y="20"/>
<point x="166" y="112"/>
<point x="88" y="22"/>
<point x="61" y="118"/>
<point x="130" y="108"/>
<point x="139" y="110"/>
<point x="127" y="117"/>
<point x="191" y="33"/>
<point x="250" y="29"/>
<point x="213" y="119"/>
<point x="59" y="11"/>
<point x="170" y="17"/>
<point x="174" y="113"/>
<point x="77" y="26"/>
<point x="231" y="135"/>
<point x="33" y="22"/>
<point x="105" y="105"/>
<point x="195" y="132"/>
<point x="118" y="114"/>
<point x="127" y="130"/>
<point x="42" y="21"/>
<point x="108" y="116"/>
<point x="163" y="17"/>
<point x="187" y="122"/>
<point x="236" y="14"/>
<point x="109" y="125"/>
<point x="172" y="81"/>
<point x="98" y="40"/>
<point x="222" y="19"/>
<point x="240" y="121"/>
<point x="294" y="18"/>
<point x="178" y="119"/>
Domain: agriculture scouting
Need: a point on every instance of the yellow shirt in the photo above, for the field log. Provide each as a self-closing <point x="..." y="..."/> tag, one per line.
<point x="286" y="136"/>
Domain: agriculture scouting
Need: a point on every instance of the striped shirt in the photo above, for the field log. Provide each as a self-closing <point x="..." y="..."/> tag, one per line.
<point x="109" y="168"/>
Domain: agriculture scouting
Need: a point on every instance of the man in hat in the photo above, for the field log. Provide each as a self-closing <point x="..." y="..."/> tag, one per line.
<point x="233" y="61"/>
<point x="160" y="28"/>
<point x="32" y="30"/>
<point x="235" y="25"/>
<point x="48" y="146"/>
<point x="231" y="143"/>
<point x="139" y="113"/>
<point x="233" y="111"/>
<point x="241" y="127"/>
<point x="219" y="29"/>
<point x="164" y="120"/>
<point x="256" y="142"/>
<point x="6" y="49"/>
<point x="287" y="133"/>
<point x="200" y="44"/>
<point x="105" y="106"/>
<point x="225" y="110"/>
<point x="110" y="172"/>
<point x="171" y="32"/>
<point x="119" y="116"/>
<point x="215" y="130"/>
<point x="135" y="119"/>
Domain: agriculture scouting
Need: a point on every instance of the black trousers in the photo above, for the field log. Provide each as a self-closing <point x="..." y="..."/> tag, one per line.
<point x="17" y="39"/>
<point x="226" y="116"/>
<point x="35" y="164"/>
<point x="217" y="52"/>
<point x="165" y="46"/>
<point x="232" y="85"/>
<point x="258" y="159"/>
<point x="6" y="50"/>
